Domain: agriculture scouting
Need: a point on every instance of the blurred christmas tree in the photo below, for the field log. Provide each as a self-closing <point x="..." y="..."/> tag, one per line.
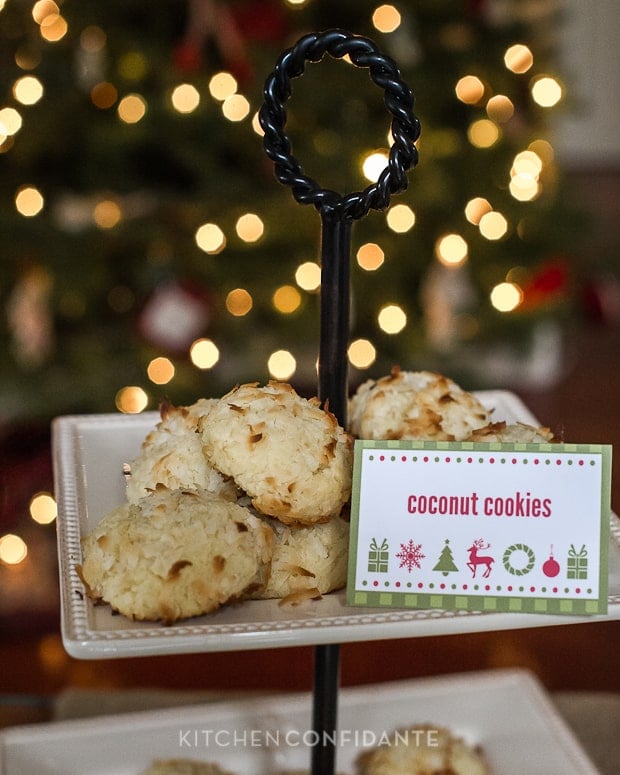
<point x="146" y="242"/>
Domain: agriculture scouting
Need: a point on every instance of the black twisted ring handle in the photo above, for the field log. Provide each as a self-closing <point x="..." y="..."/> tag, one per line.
<point x="398" y="99"/>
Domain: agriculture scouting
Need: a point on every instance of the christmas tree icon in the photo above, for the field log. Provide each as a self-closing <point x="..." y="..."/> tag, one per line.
<point x="445" y="563"/>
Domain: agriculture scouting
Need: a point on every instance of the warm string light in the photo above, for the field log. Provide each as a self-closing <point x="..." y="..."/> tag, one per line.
<point x="239" y="302"/>
<point x="281" y="365"/>
<point x="204" y="353"/>
<point x="451" y="250"/>
<point x="160" y="370"/>
<point x="370" y="256"/>
<point x="13" y="548"/>
<point x="131" y="399"/>
<point x="29" y="201"/>
<point x="52" y="26"/>
<point x="43" y="509"/>
<point x="28" y="90"/>
<point x="386" y="18"/>
<point x="185" y="98"/>
<point x="362" y="353"/>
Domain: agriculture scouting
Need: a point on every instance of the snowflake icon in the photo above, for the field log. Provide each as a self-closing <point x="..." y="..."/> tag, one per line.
<point x="410" y="555"/>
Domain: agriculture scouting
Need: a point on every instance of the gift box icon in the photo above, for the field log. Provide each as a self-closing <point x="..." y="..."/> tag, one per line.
<point x="378" y="556"/>
<point x="577" y="563"/>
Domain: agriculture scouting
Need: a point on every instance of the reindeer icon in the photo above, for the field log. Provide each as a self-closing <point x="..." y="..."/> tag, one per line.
<point x="475" y="559"/>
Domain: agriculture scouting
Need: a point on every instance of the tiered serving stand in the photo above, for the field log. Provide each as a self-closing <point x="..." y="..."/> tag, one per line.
<point x="89" y="449"/>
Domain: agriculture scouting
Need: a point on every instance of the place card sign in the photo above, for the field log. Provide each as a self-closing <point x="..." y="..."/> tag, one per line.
<point x="480" y="526"/>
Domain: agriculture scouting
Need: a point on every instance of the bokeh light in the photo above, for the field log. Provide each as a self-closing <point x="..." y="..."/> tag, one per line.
<point x="250" y="227"/>
<point x="469" y="89"/>
<point x="28" y="90"/>
<point x="308" y="276"/>
<point x="236" y="107"/>
<point x="13" y="549"/>
<point x="518" y="58"/>
<point x="374" y="164"/>
<point x="286" y="299"/>
<point x="10" y="121"/>
<point x="210" y="238"/>
<point x="222" y="85"/>
<point x="370" y="256"/>
<point x="392" y="319"/>
<point x="107" y="214"/>
<point x="400" y="218"/>
<point x="29" y="201"/>
<point x="483" y="133"/>
<point x="362" y="353"/>
<point x="160" y="370"/>
<point x="204" y="353"/>
<point x="239" y="302"/>
<point x="506" y="297"/>
<point x="43" y="509"/>
<point x="131" y="399"/>
<point x="281" y="364"/>
<point x="476" y="208"/>
<point x="132" y="108"/>
<point x="546" y="91"/>
<point x="185" y="98"/>
<point x="451" y="249"/>
<point x="493" y="225"/>
<point x="386" y="18"/>
<point x="500" y="108"/>
<point x="103" y="95"/>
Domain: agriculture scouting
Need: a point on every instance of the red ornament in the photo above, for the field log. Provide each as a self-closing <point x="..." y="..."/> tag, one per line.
<point x="548" y="284"/>
<point x="187" y="57"/>
<point x="263" y="21"/>
<point x="551" y="567"/>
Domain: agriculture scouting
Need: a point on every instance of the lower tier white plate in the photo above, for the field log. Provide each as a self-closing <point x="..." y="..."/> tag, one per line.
<point x="507" y="713"/>
<point x="88" y="455"/>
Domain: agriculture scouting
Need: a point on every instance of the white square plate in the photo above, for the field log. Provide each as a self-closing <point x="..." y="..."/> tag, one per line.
<point x="506" y="712"/>
<point x="88" y="455"/>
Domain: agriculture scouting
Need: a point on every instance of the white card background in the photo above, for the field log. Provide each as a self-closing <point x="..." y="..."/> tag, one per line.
<point x="530" y="554"/>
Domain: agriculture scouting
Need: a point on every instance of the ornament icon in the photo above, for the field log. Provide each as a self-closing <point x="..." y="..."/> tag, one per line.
<point x="551" y="567"/>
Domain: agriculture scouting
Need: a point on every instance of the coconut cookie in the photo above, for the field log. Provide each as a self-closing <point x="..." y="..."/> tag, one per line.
<point x="175" y="554"/>
<point x="423" y="750"/>
<point x="415" y="405"/>
<point x="308" y="561"/>
<point x="286" y="452"/>
<point x="516" y="432"/>
<point x="183" y="767"/>
<point x="171" y="455"/>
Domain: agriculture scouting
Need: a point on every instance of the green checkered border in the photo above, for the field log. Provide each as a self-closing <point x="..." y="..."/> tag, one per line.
<point x="488" y="603"/>
<point x="483" y="446"/>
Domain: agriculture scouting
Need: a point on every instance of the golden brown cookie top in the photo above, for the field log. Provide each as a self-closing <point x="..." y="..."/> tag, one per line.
<point x="414" y="405"/>
<point x="285" y="451"/>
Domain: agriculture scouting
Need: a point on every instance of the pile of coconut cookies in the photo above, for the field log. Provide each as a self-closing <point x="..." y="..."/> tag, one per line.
<point x="246" y="496"/>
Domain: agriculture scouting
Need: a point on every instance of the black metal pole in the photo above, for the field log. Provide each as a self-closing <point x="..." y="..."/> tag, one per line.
<point x="337" y="213"/>
<point x="325" y="708"/>
<point x="335" y="310"/>
<point x="333" y="373"/>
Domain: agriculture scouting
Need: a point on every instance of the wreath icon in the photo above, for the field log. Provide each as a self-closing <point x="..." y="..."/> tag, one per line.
<point x="521" y="571"/>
